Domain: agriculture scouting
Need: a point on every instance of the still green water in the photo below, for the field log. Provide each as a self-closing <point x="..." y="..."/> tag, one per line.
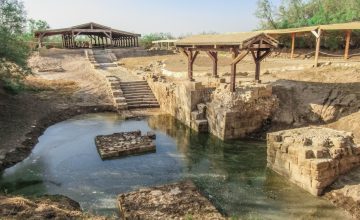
<point x="232" y="174"/>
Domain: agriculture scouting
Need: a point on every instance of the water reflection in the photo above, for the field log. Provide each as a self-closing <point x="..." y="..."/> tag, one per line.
<point x="232" y="174"/>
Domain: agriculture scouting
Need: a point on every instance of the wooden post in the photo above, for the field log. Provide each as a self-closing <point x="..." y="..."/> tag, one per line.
<point x="347" y="44"/>
<point x="137" y="41"/>
<point x="214" y="57"/>
<point x="234" y="54"/>
<point x="111" y="39"/>
<point x="72" y="39"/>
<point x="258" y="58"/>
<point x="317" y="52"/>
<point x="90" y="46"/>
<point x="63" y="41"/>
<point x="102" y="41"/>
<point x="106" y="41"/>
<point x="191" y="59"/>
<point x="257" y="67"/>
<point x="236" y="59"/>
<point x="293" y="35"/>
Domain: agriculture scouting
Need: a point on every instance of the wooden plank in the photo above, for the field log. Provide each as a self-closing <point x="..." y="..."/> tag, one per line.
<point x="347" y="44"/>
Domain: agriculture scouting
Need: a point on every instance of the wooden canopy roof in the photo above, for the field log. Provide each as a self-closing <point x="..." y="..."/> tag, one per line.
<point x="340" y="26"/>
<point x="241" y="41"/>
<point x="90" y="28"/>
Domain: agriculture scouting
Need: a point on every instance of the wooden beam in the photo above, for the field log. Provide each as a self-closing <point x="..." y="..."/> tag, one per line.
<point x="214" y="57"/>
<point x="317" y="51"/>
<point x="347" y="44"/>
<point x="293" y="35"/>
<point x="239" y="57"/>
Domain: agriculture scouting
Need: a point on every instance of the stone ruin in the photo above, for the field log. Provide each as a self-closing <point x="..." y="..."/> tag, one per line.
<point x="236" y="114"/>
<point x="312" y="157"/>
<point x="124" y="143"/>
<point x="213" y="108"/>
<point x="174" y="201"/>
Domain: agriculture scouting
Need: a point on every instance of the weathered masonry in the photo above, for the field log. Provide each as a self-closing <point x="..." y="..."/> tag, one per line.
<point x="239" y="45"/>
<point x="97" y="36"/>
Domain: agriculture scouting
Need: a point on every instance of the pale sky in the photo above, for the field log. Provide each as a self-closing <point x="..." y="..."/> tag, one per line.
<point x="147" y="16"/>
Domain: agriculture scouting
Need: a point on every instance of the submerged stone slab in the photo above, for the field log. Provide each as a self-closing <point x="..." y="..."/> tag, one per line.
<point x="124" y="143"/>
<point x="174" y="201"/>
<point x="312" y="157"/>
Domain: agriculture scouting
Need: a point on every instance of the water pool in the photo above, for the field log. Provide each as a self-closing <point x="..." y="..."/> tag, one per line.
<point x="232" y="174"/>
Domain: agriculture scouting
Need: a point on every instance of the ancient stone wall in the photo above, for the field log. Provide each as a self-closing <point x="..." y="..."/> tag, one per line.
<point x="179" y="100"/>
<point x="215" y="109"/>
<point x="138" y="52"/>
<point x="235" y="115"/>
<point x="312" y="157"/>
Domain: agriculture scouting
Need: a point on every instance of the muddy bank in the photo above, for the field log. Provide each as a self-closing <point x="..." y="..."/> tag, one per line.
<point x="20" y="152"/>
<point x="44" y="207"/>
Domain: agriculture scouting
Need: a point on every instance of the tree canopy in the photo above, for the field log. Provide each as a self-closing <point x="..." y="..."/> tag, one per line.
<point x="299" y="13"/>
<point x="16" y="31"/>
<point x="146" y="40"/>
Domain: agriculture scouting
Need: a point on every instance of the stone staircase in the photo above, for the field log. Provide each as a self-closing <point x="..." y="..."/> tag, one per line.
<point x="101" y="58"/>
<point x="116" y="93"/>
<point x="198" y="119"/>
<point x="138" y="95"/>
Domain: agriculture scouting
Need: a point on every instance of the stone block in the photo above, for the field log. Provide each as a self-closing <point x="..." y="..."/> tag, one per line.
<point x="173" y="201"/>
<point x="312" y="157"/>
<point x="123" y="144"/>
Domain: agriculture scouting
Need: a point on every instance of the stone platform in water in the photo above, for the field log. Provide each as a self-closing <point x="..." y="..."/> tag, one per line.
<point x="124" y="143"/>
<point x="174" y="201"/>
<point x="312" y="157"/>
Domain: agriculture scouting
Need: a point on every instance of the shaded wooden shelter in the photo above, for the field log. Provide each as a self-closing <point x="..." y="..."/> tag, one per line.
<point x="98" y="35"/>
<point x="239" y="45"/>
<point x="318" y="32"/>
<point x="164" y="44"/>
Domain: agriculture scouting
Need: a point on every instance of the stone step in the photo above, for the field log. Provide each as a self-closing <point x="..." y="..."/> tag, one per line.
<point x="140" y="96"/>
<point x="137" y="92"/>
<point x="141" y="102"/>
<point x="122" y="106"/>
<point x="130" y="90"/>
<point x="120" y="100"/>
<point x="117" y="93"/>
<point x="150" y="99"/>
<point x="134" y="83"/>
<point x="134" y="86"/>
<point x="143" y="106"/>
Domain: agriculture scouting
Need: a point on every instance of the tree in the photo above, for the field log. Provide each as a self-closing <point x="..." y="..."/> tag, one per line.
<point x="14" y="51"/>
<point x="146" y="40"/>
<point x="299" y="13"/>
<point x="265" y="13"/>
<point x="34" y="25"/>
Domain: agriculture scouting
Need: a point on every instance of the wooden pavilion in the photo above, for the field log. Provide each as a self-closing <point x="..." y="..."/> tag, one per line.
<point x="318" y="32"/>
<point x="98" y="35"/>
<point x="239" y="45"/>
